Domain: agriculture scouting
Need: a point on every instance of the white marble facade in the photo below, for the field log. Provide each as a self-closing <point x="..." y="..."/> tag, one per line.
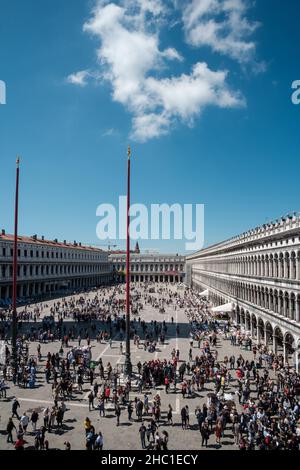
<point x="259" y="273"/>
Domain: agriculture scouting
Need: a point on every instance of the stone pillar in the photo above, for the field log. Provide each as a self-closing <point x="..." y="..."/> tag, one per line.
<point x="266" y="339"/>
<point x="279" y="268"/>
<point x="258" y="334"/>
<point x="284" y="352"/>
<point x="296" y="361"/>
<point x="285" y="267"/>
<point x="297" y="261"/>
<point x="284" y="306"/>
<point x="292" y="271"/>
<point x="297" y="310"/>
<point x="274" y="344"/>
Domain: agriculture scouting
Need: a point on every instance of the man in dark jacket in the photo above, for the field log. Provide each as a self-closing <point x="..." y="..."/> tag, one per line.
<point x="9" y="429"/>
<point x="14" y="408"/>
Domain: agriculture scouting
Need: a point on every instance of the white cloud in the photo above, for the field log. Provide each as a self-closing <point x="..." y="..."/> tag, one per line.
<point x="79" y="78"/>
<point x="110" y="132"/>
<point x="221" y="25"/>
<point x="131" y="58"/>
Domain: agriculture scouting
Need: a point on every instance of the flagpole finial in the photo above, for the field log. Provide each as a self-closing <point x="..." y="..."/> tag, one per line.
<point x="18" y="161"/>
<point x="129" y="151"/>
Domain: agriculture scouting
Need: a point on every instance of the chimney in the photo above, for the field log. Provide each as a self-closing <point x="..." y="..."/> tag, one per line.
<point x="43" y="238"/>
<point x="65" y="242"/>
<point x="34" y="237"/>
<point x="3" y="232"/>
<point x="55" y="240"/>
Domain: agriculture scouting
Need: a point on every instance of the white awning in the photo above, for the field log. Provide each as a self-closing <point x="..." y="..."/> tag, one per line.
<point x="204" y="293"/>
<point x="223" y="308"/>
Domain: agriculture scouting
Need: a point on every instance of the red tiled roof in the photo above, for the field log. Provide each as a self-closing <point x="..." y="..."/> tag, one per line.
<point x="39" y="241"/>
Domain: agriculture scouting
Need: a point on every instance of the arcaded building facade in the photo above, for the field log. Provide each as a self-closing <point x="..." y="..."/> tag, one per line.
<point x="46" y="267"/>
<point x="149" y="267"/>
<point x="259" y="273"/>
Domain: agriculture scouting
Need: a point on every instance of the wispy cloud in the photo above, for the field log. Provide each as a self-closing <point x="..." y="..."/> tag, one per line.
<point x="221" y="25"/>
<point x="110" y="132"/>
<point x="79" y="78"/>
<point x="130" y="58"/>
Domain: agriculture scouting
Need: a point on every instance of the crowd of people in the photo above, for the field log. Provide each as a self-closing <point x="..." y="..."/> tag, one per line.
<point x="250" y="392"/>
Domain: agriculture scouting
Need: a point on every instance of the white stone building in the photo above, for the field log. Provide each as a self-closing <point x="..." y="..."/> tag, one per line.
<point x="258" y="272"/>
<point x="48" y="267"/>
<point x="149" y="267"/>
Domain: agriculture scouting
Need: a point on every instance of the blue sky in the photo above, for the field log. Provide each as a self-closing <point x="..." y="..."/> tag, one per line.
<point x="234" y="147"/>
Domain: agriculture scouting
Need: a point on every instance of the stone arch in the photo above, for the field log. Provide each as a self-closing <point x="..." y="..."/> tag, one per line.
<point x="271" y="265"/>
<point x="276" y="266"/>
<point x="271" y="300"/>
<point x="254" y="325"/>
<point x="293" y="262"/>
<point x="238" y="315"/>
<point x="286" y="272"/>
<point x="286" y="304"/>
<point x="247" y="321"/>
<point x="261" y="329"/>
<point x="281" y="265"/>
<point x="289" y="347"/>
<point x="280" y="302"/>
<point x="269" y="334"/>
<point x="292" y="309"/>
<point x="242" y="317"/>
<point x="276" y="301"/>
<point x="278" y="340"/>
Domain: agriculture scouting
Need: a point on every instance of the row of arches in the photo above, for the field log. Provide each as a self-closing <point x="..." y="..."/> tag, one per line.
<point x="279" y="340"/>
<point x="282" y="265"/>
<point x="285" y="303"/>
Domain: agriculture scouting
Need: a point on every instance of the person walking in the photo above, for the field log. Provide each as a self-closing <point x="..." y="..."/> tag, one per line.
<point x="99" y="441"/>
<point x="205" y="432"/>
<point x="218" y="432"/>
<point x="164" y="440"/>
<point x="187" y="417"/>
<point x="142" y="432"/>
<point x="236" y="432"/>
<point x="24" y="421"/>
<point x="9" y="429"/>
<point x="183" y="418"/>
<point x="34" y="419"/>
<point x="129" y="410"/>
<point x="14" y="409"/>
<point x="118" y="413"/>
<point x="101" y="407"/>
<point x="91" y="400"/>
<point x="170" y="415"/>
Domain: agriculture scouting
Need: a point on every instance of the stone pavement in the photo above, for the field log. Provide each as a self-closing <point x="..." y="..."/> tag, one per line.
<point x="125" y="436"/>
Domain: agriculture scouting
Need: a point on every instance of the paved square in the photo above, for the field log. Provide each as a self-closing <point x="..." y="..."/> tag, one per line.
<point x="125" y="436"/>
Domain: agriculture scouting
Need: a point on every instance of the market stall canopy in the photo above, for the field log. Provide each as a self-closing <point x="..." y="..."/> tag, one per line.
<point x="204" y="293"/>
<point x="223" y="308"/>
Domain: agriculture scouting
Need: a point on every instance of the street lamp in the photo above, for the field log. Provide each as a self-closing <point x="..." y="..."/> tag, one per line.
<point x="15" y="272"/>
<point x="128" y="365"/>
